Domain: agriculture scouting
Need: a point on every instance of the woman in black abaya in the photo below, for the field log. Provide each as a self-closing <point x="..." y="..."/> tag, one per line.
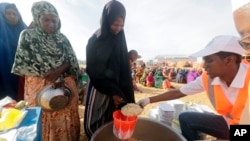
<point x="110" y="85"/>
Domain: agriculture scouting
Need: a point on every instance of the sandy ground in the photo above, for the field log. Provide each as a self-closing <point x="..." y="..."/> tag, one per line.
<point x="200" y="98"/>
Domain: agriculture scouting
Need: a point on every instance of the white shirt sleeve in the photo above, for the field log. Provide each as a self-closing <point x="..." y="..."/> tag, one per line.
<point x="193" y="87"/>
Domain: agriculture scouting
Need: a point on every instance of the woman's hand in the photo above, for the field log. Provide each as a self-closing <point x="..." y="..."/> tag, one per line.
<point x="118" y="100"/>
<point x="53" y="75"/>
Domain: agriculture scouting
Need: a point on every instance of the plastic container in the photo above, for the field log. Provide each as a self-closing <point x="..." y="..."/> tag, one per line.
<point x="153" y="113"/>
<point x="123" y="127"/>
<point x="166" y="113"/>
<point x="179" y="107"/>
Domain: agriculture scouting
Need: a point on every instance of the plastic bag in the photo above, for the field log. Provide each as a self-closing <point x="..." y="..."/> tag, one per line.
<point x="27" y="133"/>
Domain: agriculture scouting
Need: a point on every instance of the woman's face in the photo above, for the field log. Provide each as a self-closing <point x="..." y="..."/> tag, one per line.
<point x="117" y="26"/>
<point x="12" y="16"/>
<point x="49" y="23"/>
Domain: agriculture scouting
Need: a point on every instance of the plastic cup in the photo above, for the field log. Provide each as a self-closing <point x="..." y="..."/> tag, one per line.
<point x="123" y="126"/>
<point x="166" y="113"/>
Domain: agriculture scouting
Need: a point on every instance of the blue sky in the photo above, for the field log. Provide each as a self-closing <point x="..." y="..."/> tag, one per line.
<point x="152" y="27"/>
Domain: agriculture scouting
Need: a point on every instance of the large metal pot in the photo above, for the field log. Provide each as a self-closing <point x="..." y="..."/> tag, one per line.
<point x="145" y="130"/>
<point x="51" y="99"/>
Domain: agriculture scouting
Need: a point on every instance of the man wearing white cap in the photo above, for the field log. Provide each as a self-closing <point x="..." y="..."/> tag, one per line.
<point x="226" y="83"/>
<point x="241" y="13"/>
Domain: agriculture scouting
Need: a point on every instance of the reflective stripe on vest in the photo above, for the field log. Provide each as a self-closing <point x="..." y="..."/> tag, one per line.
<point x="245" y="116"/>
<point x="233" y="113"/>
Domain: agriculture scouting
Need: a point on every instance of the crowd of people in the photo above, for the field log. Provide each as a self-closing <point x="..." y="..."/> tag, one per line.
<point x="34" y="57"/>
<point x="161" y="77"/>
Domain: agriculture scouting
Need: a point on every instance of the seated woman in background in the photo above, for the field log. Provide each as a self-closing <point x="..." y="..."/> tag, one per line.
<point x="172" y="74"/>
<point x="150" y="81"/>
<point x="138" y="74"/>
<point x="192" y="75"/>
<point x="158" y="78"/>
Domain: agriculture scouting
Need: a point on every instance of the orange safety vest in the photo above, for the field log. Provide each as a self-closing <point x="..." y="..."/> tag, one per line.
<point x="233" y="113"/>
<point x="245" y="61"/>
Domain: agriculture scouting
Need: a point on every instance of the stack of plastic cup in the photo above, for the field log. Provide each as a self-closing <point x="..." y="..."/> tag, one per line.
<point x="123" y="126"/>
<point x="166" y="113"/>
<point x="179" y="107"/>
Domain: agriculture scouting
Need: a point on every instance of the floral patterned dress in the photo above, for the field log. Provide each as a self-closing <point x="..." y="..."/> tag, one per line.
<point x="38" y="53"/>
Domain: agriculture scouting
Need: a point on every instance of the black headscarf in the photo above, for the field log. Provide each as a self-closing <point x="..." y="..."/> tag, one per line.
<point x="107" y="56"/>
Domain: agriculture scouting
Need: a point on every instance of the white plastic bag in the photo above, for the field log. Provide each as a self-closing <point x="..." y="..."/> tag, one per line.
<point x="27" y="133"/>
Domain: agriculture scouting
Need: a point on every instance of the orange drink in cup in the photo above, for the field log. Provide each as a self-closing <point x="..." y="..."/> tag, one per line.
<point x="123" y="126"/>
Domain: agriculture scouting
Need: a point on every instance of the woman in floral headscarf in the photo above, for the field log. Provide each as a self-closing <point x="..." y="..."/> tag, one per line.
<point x="43" y="55"/>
